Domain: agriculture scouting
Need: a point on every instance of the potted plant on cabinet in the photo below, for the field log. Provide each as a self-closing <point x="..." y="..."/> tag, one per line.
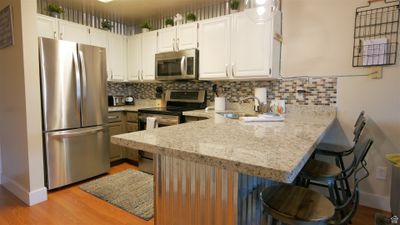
<point x="191" y="17"/>
<point x="106" y="25"/>
<point x="145" y="27"/>
<point x="169" y="22"/>
<point x="55" y="10"/>
<point x="234" y="5"/>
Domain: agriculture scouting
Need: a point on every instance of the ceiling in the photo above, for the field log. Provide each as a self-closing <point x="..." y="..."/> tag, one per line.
<point x="134" y="11"/>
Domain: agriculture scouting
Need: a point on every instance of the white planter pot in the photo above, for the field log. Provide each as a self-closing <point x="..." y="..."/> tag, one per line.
<point x="55" y="15"/>
<point x="144" y="30"/>
<point x="169" y="25"/>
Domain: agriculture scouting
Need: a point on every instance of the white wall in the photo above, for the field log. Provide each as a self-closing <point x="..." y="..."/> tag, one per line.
<point x="20" y="130"/>
<point x="318" y="41"/>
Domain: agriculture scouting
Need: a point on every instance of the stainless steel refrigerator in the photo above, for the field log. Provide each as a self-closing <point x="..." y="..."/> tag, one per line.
<point x="74" y="109"/>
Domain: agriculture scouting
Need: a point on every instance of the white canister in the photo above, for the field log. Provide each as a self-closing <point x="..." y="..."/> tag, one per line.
<point x="219" y="104"/>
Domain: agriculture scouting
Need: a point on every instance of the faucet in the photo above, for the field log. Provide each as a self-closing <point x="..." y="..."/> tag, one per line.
<point x="257" y="107"/>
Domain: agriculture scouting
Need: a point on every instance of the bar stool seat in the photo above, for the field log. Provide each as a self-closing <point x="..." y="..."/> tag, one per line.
<point x="316" y="169"/>
<point x="299" y="206"/>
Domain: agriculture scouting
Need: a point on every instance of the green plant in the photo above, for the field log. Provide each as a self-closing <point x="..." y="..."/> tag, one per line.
<point x="169" y="21"/>
<point x="191" y="16"/>
<point x="52" y="7"/>
<point x="235" y="4"/>
<point x="145" y="25"/>
<point x="106" y="24"/>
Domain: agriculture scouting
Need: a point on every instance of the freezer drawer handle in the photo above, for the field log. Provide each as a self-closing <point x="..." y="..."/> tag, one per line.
<point x="79" y="133"/>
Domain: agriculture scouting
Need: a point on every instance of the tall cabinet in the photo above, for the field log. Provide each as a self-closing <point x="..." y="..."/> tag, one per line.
<point x="141" y="56"/>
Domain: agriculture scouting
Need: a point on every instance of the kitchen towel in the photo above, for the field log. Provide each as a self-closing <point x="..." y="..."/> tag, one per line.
<point x="151" y="123"/>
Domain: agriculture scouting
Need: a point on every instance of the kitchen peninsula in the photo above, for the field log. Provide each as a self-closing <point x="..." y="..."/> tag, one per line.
<point x="212" y="171"/>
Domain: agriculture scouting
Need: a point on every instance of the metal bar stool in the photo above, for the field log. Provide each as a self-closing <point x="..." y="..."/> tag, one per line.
<point x="340" y="151"/>
<point x="295" y="205"/>
<point x="329" y="175"/>
<point x="325" y="174"/>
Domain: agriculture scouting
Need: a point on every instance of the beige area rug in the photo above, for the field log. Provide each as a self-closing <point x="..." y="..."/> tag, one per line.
<point x="129" y="190"/>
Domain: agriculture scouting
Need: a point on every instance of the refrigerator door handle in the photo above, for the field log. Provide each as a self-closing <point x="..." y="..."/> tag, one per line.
<point x="67" y="134"/>
<point x="78" y="78"/>
<point x="83" y="71"/>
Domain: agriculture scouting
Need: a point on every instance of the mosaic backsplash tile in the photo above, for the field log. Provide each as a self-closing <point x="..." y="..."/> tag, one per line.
<point x="302" y="91"/>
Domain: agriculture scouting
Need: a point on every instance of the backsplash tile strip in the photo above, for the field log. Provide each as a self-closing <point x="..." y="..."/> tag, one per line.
<point x="317" y="91"/>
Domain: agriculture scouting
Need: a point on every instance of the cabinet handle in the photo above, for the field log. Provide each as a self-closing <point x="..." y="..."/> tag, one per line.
<point x="233" y="70"/>
<point x="177" y="44"/>
<point x="61" y="36"/>
<point x="142" y="74"/>
<point x="226" y="70"/>
<point x="173" y="44"/>
<point x="55" y="35"/>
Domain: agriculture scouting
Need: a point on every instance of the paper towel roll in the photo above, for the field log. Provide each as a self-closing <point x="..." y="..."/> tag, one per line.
<point x="261" y="93"/>
<point x="219" y="104"/>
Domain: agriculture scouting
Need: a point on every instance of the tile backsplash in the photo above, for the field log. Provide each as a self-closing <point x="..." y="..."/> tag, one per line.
<point x="299" y="91"/>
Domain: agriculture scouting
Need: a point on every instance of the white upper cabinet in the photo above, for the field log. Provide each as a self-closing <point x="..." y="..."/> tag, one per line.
<point x="149" y="49"/>
<point x="74" y="32"/>
<point x="166" y="40"/>
<point x="186" y="36"/>
<point x="250" y="47"/>
<point x="134" y="57"/>
<point x="240" y="46"/>
<point x="99" y="38"/>
<point x="214" y="48"/>
<point x="177" y="38"/>
<point x="117" y="54"/>
<point x="142" y="50"/>
<point x="47" y="27"/>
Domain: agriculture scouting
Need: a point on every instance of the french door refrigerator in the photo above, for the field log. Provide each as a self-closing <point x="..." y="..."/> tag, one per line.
<point x="74" y="109"/>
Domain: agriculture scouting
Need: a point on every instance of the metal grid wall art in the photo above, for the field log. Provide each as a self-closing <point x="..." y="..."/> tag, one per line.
<point x="376" y="35"/>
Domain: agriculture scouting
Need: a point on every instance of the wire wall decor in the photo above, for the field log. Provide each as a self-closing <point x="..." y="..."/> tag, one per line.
<point x="376" y="35"/>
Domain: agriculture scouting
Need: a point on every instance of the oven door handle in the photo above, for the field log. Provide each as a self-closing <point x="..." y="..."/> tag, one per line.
<point x="184" y="65"/>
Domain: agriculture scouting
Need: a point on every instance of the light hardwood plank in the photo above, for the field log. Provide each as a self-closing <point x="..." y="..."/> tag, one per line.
<point x="71" y="206"/>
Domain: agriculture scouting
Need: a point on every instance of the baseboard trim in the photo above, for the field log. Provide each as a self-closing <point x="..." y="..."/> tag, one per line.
<point x="29" y="198"/>
<point x="375" y="201"/>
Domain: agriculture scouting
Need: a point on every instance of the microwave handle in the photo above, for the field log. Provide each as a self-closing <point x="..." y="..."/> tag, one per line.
<point x="184" y="65"/>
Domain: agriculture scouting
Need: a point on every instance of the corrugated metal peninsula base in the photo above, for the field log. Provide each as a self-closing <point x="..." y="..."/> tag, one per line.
<point x="189" y="193"/>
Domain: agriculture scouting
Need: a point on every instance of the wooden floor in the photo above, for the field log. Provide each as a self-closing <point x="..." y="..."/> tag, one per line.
<point x="71" y="206"/>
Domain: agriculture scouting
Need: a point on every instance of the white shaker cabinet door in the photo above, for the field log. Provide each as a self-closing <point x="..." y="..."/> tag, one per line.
<point x="166" y="40"/>
<point x="251" y="46"/>
<point x="74" y="32"/>
<point x="117" y="57"/>
<point x="134" y="57"/>
<point x="187" y="36"/>
<point x="47" y="27"/>
<point x="214" y="48"/>
<point x="149" y="49"/>
<point x="99" y="38"/>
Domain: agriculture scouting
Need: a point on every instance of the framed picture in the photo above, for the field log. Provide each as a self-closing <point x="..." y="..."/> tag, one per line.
<point x="6" y="27"/>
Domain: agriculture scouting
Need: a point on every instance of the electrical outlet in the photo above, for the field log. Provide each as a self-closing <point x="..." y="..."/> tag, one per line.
<point x="381" y="172"/>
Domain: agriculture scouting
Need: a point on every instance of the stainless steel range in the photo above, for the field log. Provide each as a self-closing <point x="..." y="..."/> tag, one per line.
<point x="177" y="101"/>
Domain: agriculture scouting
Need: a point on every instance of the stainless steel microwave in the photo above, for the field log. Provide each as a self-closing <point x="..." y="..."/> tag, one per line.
<point x="181" y="65"/>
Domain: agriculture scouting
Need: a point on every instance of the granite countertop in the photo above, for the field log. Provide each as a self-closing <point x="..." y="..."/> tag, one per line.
<point x="272" y="150"/>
